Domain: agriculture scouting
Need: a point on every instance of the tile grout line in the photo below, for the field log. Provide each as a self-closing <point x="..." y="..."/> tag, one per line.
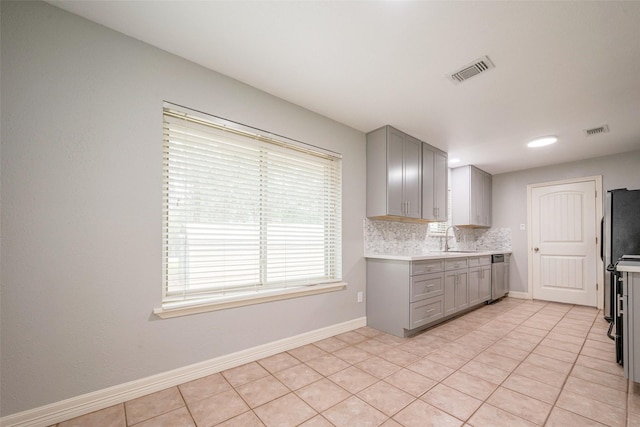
<point x="485" y="401"/>
<point x="186" y="405"/>
<point x="415" y="399"/>
<point x="571" y="370"/>
<point x="493" y="315"/>
<point x="553" y="405"/>
<point x="573" y="367"/>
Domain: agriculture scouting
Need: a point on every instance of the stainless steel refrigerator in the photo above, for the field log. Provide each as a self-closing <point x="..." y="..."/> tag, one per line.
<point x="620" y="236"/>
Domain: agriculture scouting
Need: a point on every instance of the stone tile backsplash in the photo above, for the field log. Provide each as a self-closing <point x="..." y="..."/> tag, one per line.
<point x="405" y="238"/>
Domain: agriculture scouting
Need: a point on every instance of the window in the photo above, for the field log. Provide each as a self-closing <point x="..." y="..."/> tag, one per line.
<point x="245" y="213"/>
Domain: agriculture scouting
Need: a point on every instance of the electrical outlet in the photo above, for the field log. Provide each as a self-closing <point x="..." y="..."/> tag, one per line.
<point x="360" y="296"/>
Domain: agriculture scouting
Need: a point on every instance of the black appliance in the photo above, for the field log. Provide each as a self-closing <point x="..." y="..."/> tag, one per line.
<point x="620" y="236"/>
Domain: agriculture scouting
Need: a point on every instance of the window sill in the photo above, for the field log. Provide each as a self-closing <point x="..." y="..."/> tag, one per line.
<point x="182" y="308"/>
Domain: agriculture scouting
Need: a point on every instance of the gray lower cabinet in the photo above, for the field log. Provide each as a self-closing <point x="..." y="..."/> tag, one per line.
<point x="426" y="311"/>
<point x="629" y="307"/>
<point x="479" y="279"/>
<point x="406" y="296"/>
<point x="456" y="286"/>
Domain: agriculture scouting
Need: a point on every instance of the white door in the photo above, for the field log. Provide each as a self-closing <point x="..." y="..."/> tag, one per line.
<point x="563" y="242"/>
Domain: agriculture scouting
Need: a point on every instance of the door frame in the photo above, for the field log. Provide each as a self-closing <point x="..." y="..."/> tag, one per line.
<point x="597" y="179"/>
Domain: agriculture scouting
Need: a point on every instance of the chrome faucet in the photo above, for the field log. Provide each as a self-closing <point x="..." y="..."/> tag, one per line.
<point x="446" y="237"/>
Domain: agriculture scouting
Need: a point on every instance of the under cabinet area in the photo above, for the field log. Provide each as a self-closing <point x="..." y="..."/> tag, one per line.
<point x="404" y="297"/>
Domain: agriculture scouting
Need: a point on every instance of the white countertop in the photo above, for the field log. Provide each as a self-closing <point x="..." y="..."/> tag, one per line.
<point x="433" y="255"/>
<point x="628" y="266"/>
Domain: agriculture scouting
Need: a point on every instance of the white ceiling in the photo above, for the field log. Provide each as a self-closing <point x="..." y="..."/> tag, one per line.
<point x="561" y="67"/>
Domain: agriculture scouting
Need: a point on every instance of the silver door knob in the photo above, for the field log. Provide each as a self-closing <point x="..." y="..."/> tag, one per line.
<point x="536" y="249"/>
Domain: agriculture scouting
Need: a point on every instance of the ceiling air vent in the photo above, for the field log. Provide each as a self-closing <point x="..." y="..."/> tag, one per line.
<point x="597" y="131"/>
<point x="478" y="66"/>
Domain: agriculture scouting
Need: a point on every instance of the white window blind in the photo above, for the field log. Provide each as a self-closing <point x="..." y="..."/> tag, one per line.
<point x="245" y="212"/>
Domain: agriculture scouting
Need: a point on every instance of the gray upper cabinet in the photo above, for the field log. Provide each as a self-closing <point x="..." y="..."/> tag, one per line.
<point x="394" y="170"/>
<point x="471" y="197"/>
<point x="434" y="184"/>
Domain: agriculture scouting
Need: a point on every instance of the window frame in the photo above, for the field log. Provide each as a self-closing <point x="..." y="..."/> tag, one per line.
<point x="192" y="301"/>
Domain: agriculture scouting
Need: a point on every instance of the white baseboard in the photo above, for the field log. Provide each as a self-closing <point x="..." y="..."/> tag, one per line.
<point x="520" y="295"/>
<point x="70" y="408"/>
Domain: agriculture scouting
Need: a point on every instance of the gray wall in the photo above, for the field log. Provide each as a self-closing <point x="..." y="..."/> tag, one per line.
<point x="81" y="210"/>
<point x="510" y="197"/>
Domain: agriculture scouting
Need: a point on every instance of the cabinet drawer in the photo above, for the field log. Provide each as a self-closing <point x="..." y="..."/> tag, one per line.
<point x="455" y="264"/>
<point x="427" y="266"/>
<point x="425" y="311"/>
<point x="426" y="286"/>
<point x="480" y="260"/>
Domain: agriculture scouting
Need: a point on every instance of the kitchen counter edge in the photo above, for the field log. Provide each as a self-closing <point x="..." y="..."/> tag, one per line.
<point x="433" y="255"/>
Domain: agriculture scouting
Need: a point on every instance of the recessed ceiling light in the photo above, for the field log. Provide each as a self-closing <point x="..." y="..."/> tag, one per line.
<point x="454" y="160"/>
<point x="541" y="142"/>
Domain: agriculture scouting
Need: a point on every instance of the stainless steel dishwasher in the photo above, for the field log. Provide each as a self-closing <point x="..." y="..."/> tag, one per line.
<point x="499" y="276"/>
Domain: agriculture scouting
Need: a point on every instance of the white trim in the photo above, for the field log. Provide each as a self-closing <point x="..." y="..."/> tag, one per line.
<point x="80" y="405"/>
<point x="193" y="307"/>
<point x="597" y="180"/>
<point x="519" y="295"/>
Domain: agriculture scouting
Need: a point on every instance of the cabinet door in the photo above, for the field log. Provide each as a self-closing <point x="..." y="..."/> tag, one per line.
<point x="440" y="186"/>
<point x="450" y="280"/>
<point x="425" y="311"/>
<point x="471" y="196"/>
<point x="456" y="291"/>
<point x="486" y="199"/>
<point x="428" y="185"/>
<point x="426" y="286"/>
<point x="426" y="266"/>
<point x="395" y="173"/>
<point x="475" y="277"/>
<point x="412" y="155"/>
<point x="462" y="290"/>
<point x="477" y="189"/>
<point x="485" y="283"/>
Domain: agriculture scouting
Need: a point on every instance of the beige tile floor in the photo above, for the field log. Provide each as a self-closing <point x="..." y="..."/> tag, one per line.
<point x="512" y="363"/>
